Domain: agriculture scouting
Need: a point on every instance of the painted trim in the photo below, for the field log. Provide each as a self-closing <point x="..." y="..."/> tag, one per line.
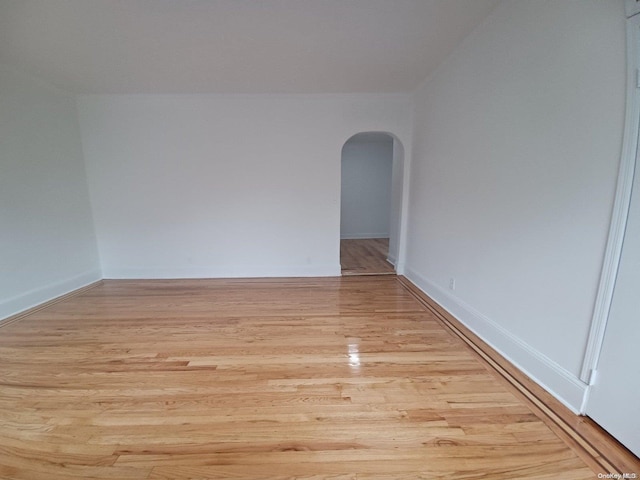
<point x="30" y="311"/>
<point x="560" y="383"/>
<point x="34" y="298"/>
<point x="123" y="272"/>
<point x="621" y="205"/>
<point x="403" y="230"/>
<point x="593" y="444"/>
<point x="362" y="236"/>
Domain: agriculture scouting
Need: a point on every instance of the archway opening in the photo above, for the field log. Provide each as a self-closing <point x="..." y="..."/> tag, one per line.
<point x="370" y="203"/>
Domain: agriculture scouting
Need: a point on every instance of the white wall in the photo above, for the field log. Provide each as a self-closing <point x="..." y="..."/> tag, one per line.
<point x="220" y="186"/>
<point x="47" y="242"/>
<point x="398" y="193"/>
<point x="517" y="138"/>
<point x="365" y="205"/>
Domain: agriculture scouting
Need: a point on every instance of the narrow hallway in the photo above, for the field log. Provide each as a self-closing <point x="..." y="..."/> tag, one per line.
<point x="365" y="257"/>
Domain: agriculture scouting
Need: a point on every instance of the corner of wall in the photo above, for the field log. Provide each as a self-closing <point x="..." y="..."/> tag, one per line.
<point x="52" y="250"/>
<point x="42" y="294"/>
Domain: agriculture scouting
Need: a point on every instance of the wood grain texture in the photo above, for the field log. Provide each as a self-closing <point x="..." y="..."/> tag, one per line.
<point x="333" y="378"/>
<point x="603" y="453"/>
<point x="366" y="256"/>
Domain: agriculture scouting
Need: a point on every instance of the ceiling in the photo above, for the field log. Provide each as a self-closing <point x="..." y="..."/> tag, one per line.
<point x="234" y="46"/>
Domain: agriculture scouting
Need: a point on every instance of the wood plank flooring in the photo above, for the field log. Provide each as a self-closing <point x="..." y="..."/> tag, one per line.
<point x="333" y="378"/>
<point x="367" y="256"/>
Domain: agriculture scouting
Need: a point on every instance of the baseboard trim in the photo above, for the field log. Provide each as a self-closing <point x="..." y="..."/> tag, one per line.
<point x="36" y="297"/>
<point x="29" y="311"/>
<point x="128" y="273"/>
<point x="567" y="388"/>
<point x="603" y="453"/>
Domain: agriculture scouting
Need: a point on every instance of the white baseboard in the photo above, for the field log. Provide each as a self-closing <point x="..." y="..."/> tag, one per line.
<point x="329" y="270"/>
<point x="37" y="296"/>
<point x="362" y="236"/>
<point x="559" y="382"/>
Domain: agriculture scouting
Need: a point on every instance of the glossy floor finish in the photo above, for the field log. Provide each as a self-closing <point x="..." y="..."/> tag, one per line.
<point x="365" y="256"/>
<point x="335" y="378"/>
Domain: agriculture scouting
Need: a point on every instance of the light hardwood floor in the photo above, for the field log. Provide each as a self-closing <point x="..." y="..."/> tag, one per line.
<point x="367" y="256"/>
<point x="337" y="378"/>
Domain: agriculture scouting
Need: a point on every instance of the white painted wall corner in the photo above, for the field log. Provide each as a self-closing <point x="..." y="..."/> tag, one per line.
<point x="38" y="296"/>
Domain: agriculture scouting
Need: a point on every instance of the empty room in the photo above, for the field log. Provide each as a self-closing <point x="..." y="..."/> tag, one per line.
<point x="319" y="239"/>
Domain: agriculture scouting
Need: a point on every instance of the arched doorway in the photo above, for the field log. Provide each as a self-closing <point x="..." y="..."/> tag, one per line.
<point x="371" y="203"/>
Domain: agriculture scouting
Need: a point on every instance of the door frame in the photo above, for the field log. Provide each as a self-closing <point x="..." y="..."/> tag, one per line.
<point x="620" y="211"/>
<point x="403" y="185"/>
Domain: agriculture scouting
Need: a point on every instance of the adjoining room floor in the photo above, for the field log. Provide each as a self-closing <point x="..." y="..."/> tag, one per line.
<point x="365" y="257"/>
<point x="341" y="378"/>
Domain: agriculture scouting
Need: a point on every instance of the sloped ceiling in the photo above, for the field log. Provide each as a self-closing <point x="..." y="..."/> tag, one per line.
<point x="234" y="46"/>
